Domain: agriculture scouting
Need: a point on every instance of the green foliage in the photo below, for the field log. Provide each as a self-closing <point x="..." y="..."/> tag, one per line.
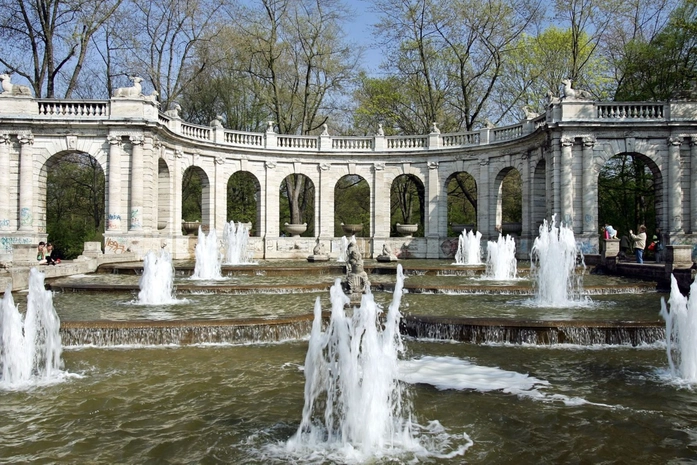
<point x="352" y="204"/>
<point x="664" y="67"/>
<point x="462" y="200"/>
<point x="242" y="193"/>
<point x="407" y="203"/>
<point x="626" y="194"/>
<point x="297" y="202"/>
<point x="192" y="195"/>
<point x="74" y="202"/>
<point x="512" y="197"/>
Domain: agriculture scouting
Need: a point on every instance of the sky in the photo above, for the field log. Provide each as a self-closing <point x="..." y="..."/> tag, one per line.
<point x="359" y="31"/>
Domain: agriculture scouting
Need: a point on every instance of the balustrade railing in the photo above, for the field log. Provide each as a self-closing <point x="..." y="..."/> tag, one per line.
<point x="356" y="144"/>
<point x="196" y="132"/>
<point x="507" y="133"/>
<point x="407" y="142"/>
<point x="246" y="139"/>
<point x="74" y="108"/>
<point x="96" y="109"/>
<point x="297" y="142"/>
<point x="460" y="140"/>
<point x="630" y="110"/>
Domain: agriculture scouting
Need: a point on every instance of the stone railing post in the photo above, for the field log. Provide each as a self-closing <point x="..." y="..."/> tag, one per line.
<point x="434" y="139"/>
<point x="271" y="141"/>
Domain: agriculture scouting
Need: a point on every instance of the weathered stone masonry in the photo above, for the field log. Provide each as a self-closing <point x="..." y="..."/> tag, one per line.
<point x="144" y="154"/>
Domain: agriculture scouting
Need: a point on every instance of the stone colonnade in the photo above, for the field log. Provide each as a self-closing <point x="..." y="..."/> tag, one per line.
<point x="144" y="154"/>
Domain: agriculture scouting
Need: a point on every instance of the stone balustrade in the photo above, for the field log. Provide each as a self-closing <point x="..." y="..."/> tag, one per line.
<point x="117" y="109"/>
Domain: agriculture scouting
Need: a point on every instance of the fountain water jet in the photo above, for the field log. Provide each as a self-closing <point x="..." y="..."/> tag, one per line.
<point x="157" y="283"/>
<point x="30" y="350"/>
<point x="501" y="263"/>
<point x="208" y="256"/>
<point x="554" y="257"/>
<point x="681" y="332"/>
<point x="236" y="238"/>
<point x="343" y="250"/>
<point x="355" y="407"/>
<point x="469" y="250"/>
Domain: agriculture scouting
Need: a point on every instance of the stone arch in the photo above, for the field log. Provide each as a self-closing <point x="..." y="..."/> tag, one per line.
<point x="352" y="204"/>
<point x="243" y="198"/>
<point x="461" y="193"/>
<point x="656" y="211"/>
<point x="407" y="203"/>
<point x="508" y="187"/>
<point x="53" y="200"/>
<point x="196" y="196"/>
<point x="302" y="185"/>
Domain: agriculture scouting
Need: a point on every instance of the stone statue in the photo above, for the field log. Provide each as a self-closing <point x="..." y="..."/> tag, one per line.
<point x="174" y="110"/>
<point x="135" y="91"/>
<point x="13" y="89"/>
<point x="318" y="254"/>
<point x="386" y="255"/>
<point x="574" y="94"/>
<point x="357" y="282"/>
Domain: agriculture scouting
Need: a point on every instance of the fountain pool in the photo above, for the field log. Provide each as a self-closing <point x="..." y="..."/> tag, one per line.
<point x="241" y="402"/>
<point x="227" y="404"/>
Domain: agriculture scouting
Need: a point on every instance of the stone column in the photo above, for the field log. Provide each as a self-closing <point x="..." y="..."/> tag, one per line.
<point x="484" y="214"/>
<point x="325" y="215"/>
<point x="380" y="209"/>
<point x="590" y="188"/>
<point x="219" y="217"/>
<point x="272" y="201"/>
<point x="5" y="182"/>
<point x="136" y="216"/>
<point x="26" y="184"/>
<point x="526" y="190"/>
<point x="566" y="187"/>
<point x="693" y="184"/>
<point x="555" y="193"/>
<point x="114" y="200"/>
<point x="432" y="221"/>
<point x="675" y="196"/>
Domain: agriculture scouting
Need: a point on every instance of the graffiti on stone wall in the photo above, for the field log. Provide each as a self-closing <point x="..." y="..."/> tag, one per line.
<point x="113" y="246"/>
<point x="113" y="221"/>
<point x="449" y="246"/>
<point x="25" y="218"/>
<point x="4" y="223"/>
<point x="6" y="242"/>
<point x="135" y="218"/>
<point x="586" y="247"/>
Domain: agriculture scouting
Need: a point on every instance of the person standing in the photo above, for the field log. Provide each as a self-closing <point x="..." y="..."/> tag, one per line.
<point x="639" y="243"/>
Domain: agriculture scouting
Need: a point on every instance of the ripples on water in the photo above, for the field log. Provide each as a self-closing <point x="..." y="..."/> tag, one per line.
<point x="226" y="404"/>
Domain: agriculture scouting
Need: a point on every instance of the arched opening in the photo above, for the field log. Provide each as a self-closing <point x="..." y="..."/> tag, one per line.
<point x="538" y="210"/>
<point x="509" y="202"/>
<point x="630" y="194"/>
<point x="352" y="205"/>
<point x="407" y="204"/>
<point x="243" y="190"/>
<point x="74" y="201"/>
<point x="195" y="196"/>
<point x="164" y="196"/>
<point x="462" y="202"/>
<point x="297" y="203"/>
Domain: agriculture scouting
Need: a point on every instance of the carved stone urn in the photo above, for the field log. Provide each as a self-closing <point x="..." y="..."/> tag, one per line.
<point x="458" y="227"/>
<point x="295" y="229"/>
<point x="190" y="227"/>
<point x="351" y="229"/>
<point x="406" y="230"/>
